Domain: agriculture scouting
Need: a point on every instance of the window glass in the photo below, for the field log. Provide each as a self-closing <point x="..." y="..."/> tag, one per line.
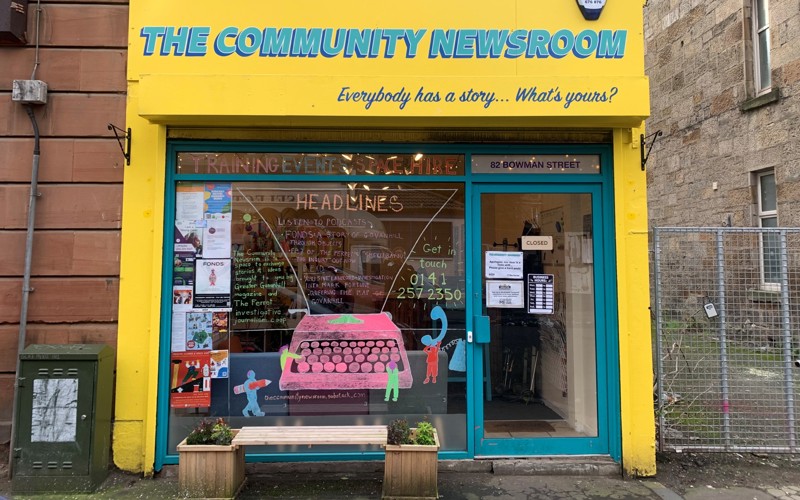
<point x="768" y="193"/>
<point x="770" y="242"/>
<point x="771" y="251"/>
<point x="319" y="303"/>
<point x="761" y="45"/>
<point x="763" y="59"/>
<point x="761" y="6"/>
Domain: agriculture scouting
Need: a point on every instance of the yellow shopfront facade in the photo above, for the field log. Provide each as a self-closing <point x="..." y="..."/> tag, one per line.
<point x="348" y="214"/>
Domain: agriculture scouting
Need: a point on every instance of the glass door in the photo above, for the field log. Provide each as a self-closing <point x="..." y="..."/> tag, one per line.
<point x="538" y="327"/>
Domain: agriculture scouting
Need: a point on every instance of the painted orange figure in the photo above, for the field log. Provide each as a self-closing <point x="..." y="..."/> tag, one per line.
<point x="433" y="362"/>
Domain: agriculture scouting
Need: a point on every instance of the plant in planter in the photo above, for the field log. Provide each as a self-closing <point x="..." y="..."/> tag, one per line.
<point x="411" y="465"/>
<point x="398" y="432"/>
<point x="209" y="465"/>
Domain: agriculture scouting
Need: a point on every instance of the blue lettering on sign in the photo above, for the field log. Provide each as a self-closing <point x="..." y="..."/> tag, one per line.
<point x="389" y="43"/>
<point x="220" y="46"/>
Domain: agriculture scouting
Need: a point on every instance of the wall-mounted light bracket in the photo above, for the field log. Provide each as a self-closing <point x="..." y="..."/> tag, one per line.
<point x="126" y="137"/>
<point x="643" y="141"/>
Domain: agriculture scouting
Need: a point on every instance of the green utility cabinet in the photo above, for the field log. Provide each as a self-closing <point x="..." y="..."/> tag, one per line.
<point x="62" y="426"/>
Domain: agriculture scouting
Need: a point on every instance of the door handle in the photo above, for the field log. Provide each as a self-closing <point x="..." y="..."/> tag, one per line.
<point x="482" y="329"/>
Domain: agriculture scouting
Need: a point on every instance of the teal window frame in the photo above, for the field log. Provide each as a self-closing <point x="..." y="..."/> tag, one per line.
<point x="607" y="354"/>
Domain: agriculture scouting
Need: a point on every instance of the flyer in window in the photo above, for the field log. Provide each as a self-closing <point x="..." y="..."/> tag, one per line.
<point x="189" y="201"/>
<point x="217" y="239"/>
<point x="178" y="332"/>
<point x="183" y="268"/>
<point x="182" y="298"/>
<point x="198" y="331"/>
<point x="188" y="237"/>
<point x="190" y="379"/>
<point x="212" y="284"/>
<point x="217" y="200"/>
<point x="219" y="364"/>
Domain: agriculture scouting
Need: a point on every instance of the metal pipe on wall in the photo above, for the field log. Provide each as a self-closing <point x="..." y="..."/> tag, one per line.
<point x="26" y="280"/>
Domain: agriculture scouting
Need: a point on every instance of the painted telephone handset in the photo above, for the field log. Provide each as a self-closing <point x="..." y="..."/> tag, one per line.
<point x="437" y="313"/>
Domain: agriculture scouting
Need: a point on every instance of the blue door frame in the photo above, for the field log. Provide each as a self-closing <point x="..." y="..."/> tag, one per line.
<point x="607" y="440"/>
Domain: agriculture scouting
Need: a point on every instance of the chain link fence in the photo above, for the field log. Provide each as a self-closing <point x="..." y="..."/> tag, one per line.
<point x="726" y="308"/>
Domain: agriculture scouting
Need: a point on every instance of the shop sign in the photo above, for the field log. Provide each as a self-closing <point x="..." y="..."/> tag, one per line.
<point x="386" y="43"/>
<point x="536" y="164"/>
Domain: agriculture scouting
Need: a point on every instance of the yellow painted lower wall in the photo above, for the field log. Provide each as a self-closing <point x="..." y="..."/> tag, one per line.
<point x="140" y="297"/>
<point x="636" y="366"/>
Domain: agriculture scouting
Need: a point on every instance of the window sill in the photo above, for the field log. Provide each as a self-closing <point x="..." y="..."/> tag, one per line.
<point x="773" y="95"/>
<point x="764" y="295"/>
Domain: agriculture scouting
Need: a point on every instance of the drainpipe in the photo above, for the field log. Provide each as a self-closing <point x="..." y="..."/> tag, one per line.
<point x="28" y="93"/>
<point x="26" y="280"/>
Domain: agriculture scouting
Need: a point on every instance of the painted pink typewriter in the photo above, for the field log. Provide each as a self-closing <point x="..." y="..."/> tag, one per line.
<point x="345" y="351"/>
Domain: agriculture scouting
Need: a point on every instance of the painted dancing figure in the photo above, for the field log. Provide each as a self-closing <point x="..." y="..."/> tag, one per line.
<point x="432" y="361"/>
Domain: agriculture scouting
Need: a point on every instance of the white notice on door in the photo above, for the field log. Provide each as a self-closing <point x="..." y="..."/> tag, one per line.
<point x="510" y="294"/>
<point x="504" y="265"/>
<point x="540" y="293"/>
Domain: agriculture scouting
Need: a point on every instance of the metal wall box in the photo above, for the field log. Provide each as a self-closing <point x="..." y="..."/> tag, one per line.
<point x="29" y="91"/>
<point x="62" y="427"/>
<point x="13" y="22"/>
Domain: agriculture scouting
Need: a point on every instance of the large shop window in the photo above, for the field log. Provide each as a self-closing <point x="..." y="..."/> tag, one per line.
<point x="328" y="300"/>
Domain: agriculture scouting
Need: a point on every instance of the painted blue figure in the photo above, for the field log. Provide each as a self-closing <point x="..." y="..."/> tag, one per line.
<point x="251" y="387"/>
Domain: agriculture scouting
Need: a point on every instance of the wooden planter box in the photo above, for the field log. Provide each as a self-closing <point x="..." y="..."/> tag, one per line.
<point x="411" y="471"/>
<point x="210" y="471"/>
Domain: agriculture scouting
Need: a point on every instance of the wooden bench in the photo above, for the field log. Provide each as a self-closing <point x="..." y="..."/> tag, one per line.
<point x="311" y="435"/>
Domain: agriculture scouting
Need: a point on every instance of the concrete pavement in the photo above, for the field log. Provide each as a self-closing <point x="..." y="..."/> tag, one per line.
<point x="467" y="480"/>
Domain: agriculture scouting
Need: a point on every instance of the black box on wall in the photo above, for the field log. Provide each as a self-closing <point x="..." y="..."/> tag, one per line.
<point x="13" y="22"/>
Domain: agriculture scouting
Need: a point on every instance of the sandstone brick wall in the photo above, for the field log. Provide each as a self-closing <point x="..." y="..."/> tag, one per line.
<point x="696" y="53"/>
<point x="75" y="269"/>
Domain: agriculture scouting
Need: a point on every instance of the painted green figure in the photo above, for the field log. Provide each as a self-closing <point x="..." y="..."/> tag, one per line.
<point x="286" y="354"/>
<point x="393" y="382"/>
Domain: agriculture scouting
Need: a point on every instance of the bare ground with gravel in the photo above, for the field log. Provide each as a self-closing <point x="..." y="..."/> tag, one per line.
<point x="684" y="471"/>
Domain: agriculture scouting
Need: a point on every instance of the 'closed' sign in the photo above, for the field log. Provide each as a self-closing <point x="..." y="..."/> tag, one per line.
<point x="537" y="242"/>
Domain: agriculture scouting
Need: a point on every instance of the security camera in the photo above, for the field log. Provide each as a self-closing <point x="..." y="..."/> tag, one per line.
<point x="797" y="363"/>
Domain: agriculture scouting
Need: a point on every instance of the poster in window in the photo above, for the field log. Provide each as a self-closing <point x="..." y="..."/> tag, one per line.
<point x="189" y="199"/>
<point x="178" y="343"/>
<point x="182" y="298"/>
<point x="188" y="237"/>
<point x="190" y="379"/>
<point x="217" y="201"/>
<point x="198" y="331"/>
<point x="212" y="284"/>
<point x="183" y="268"/>
<point x="217" y="239"/>
<point x="219" y="364"/>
